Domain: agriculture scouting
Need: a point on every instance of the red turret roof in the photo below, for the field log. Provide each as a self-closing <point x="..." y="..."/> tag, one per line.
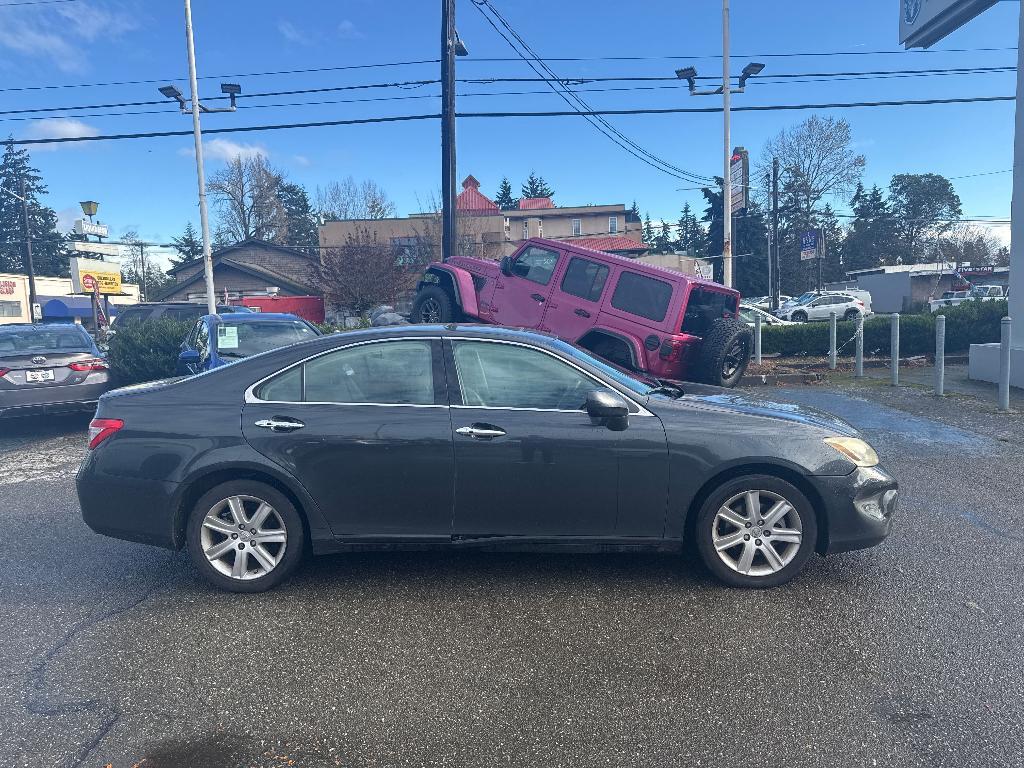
<point x="471" y="201"/>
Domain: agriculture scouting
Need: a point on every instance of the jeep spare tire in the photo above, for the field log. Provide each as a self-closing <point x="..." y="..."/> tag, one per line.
<point x="724" y="353"/>
<point x="433" y="305"/>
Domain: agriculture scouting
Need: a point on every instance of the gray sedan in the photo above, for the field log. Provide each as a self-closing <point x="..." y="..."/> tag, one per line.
<point x="48" y="368"/>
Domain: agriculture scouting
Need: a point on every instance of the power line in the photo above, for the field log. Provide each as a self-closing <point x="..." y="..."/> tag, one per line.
<point x="574" y="113"/>
<point x="35" y="2"/>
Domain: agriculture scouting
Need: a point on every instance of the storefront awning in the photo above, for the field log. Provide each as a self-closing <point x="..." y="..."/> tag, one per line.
<point x="68" y="307"/>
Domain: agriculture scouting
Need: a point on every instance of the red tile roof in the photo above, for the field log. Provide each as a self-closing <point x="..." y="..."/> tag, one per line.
<point x="532" y="203"/>
<point x="610" y="244"/>
<point x="473" y="202"/>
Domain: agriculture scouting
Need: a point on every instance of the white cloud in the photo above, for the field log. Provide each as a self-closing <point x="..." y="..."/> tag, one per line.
<point x="57" y="128"/>
<point x="301" y="160"/>
<point x="293" y="34"/>
<point x="347" y="31"/>
<point x="226" y="150"/>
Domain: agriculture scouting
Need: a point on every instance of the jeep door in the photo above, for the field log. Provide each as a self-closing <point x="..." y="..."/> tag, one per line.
<point x="573" y="305"/>
<point x="519" y="299"/>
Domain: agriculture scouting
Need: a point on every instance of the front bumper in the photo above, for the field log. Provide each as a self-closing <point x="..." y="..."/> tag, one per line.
<point x="859" y="508"/>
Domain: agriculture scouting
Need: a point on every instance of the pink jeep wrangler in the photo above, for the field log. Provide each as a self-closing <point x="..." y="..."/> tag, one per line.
<point x="638" y="316"/>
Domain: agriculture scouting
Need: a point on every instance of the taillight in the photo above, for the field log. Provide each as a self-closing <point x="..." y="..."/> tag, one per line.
<point x="101" y="429"/>
<point x="860" y="302"/>
<point x="3" y="372"/>
<point x="93" y="364"/>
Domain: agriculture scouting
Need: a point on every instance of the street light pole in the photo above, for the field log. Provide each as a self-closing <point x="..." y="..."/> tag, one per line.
<point x="204" y="217"/>
<point x="448" y="225"/>
<point x="727" y="176"/>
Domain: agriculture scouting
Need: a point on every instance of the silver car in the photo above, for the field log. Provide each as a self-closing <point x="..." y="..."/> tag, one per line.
<point x="49" y="368"/>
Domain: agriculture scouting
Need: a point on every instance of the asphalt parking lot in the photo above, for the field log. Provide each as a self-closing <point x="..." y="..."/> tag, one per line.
<point x="908" y="654"/>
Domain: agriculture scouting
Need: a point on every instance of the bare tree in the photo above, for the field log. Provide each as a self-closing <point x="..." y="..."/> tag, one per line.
<point x="362" y="273"/>
<point x="247" y="196"/>
<point x="965" y="243"/>
<point x="141" y="268"/>
<point x="817" y="156"/>
<point x="346" y="199"/>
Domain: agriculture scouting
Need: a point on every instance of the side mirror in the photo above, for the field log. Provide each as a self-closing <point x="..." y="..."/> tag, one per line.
<point x="189" y="356"/>
<point x="506" y="266"/>
<point x="609" y="407"/>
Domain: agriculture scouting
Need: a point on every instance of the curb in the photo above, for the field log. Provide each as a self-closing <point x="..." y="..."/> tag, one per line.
<point x="767" y="379"/>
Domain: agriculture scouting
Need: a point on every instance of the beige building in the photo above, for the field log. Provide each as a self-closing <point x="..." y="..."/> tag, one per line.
<point x="489" y="232"/>
<point x="56" y="300"/>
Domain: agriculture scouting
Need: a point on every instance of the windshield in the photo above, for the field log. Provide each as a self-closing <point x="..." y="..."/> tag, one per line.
<point x="807" y="297"/>
<point x="252" y="338"/>
<point x="53" y="338"/>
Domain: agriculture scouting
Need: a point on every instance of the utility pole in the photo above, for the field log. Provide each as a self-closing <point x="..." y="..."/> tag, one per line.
<point x="448" y="223"/>
<point x="776" y="281"/>
<point x="29" y="267"/>
<point x="204" y="216"/>
<point x="727" y="176"/>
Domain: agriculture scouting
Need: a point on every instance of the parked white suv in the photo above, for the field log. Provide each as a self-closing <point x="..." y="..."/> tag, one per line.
<point x="845" y="306"/>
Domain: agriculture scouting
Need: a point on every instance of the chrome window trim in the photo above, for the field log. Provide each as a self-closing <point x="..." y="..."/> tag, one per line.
<point x="250" y="396"/>
<point x="593" y="377"/>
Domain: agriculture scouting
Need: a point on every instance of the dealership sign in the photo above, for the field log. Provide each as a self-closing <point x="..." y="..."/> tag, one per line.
<point x="91" y="275"/>
<point x="924" y="22"/>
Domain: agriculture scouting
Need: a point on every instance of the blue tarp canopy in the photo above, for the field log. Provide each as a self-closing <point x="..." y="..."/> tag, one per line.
<point x="56" y="307"/>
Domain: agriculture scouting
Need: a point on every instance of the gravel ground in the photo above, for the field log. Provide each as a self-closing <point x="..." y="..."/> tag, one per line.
<point x="904" y="655"/>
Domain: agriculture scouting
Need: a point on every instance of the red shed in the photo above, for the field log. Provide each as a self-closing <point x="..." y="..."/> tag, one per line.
<point x="309" y="308"/>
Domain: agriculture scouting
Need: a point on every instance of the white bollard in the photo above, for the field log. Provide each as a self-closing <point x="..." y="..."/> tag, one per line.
<point x="757" y="338"/>
<point x="894" y="348"/>
<point x="1004" y="364"/>
<point x="859" y="368"/>
<point x="940" y="355"/>
<point x="832" y="353"/>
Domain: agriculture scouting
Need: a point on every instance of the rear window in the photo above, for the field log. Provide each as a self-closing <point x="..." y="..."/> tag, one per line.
<point x="132" y="316"/>
<point x="185" y="314"/>
<point x="703" y="307"/>
<point x="585" y="279"/>
<point x="641" y="295"/>
<point x="54" y="338"/>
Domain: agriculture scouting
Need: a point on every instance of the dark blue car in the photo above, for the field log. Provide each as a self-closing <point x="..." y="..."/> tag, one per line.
<point x="217" y="340"/>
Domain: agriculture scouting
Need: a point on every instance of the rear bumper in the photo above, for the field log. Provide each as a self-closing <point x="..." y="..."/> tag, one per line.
<point x="859" y="509"/>
<point x="133" y="509"/>
<point x="73" y="397"/>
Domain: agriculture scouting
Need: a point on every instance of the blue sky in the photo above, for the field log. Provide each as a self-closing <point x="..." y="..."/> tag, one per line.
<point x="149" y="184"/>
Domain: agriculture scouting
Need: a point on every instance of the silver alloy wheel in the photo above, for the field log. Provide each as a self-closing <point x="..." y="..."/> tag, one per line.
<point x="757" y="533"/>
<point x="243" y="537"/>
<point x="430" y="311"/>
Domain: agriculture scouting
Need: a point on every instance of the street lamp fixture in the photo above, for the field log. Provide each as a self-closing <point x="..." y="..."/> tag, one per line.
<point x="89" y="208"/>
<point x="232" y="90"/>
<point x="459" y="46"/>
<point x="171" y="92"/>
<point x="749" y="71"/>
<point x="689" y="74"/>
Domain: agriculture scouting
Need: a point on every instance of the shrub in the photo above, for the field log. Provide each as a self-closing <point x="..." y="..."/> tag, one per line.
<point x="973" y="322"/>
<point x="146" y="351"/>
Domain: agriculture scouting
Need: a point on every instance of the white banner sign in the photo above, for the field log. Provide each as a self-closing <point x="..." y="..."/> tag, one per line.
<point x="924" y="22"/>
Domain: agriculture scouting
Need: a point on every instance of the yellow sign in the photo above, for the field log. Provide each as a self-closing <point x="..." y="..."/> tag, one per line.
<point x="90" y="275"/>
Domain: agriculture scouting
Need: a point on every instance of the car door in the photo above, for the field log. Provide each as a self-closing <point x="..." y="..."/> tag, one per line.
<point x="366" y="430"/>
<point x="820" y="308"/>
<point x="519" y="298"/>
<point x="573" y="305"/>
<point x="529" y="460"/>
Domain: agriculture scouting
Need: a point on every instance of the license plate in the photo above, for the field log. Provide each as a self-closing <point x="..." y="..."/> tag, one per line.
<point x="33" y="376"/>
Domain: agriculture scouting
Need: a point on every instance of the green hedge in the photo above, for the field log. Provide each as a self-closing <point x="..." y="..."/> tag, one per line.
<point x="973" y="322"/>
<point x="146" y="351"/>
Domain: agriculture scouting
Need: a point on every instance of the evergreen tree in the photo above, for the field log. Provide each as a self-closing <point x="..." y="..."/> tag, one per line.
<point x="504" y="199"/>
<point x="188" y="245"/>
<point x="924" y="206"/>
<point x="749" y="244"/>
<point x="535" y="186"/>
<point x="300" y="229"/>
<point x="870" y="239"/>
<point x="832" y="268"/>
<point x="691" y="234"/>
<point x="634" y="212"/>
<point x="663" y="238"/>
<point x="648" y="231"/>
<point x="49" y="247"/>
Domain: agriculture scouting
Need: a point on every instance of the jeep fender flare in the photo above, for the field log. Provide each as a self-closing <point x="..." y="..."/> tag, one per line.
<point x="457" y="281"/>
<point x="632" y="344"/>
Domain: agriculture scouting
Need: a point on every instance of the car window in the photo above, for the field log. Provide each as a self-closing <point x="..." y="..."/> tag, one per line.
<point x="585" y="279"/>
<point x="133" y="316"/>
<point x="202" y="341"/>
<point x="384" y="373"/>
<point x="49" y="338"/>
<point x="536" y="265"/>
<point x="703" y="307"/>
<point x="184" y="314"/>
<point x="495" y="375"/>
<point x="286" y="388"/>
<point x="190" y="340"/>
<point x="642" y="295"/>
<point x="252" y="338"/>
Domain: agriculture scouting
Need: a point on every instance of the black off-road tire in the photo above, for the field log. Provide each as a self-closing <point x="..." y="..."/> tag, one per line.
<point x="289" y="520"/>
<point x="724" y="353"/>
<point x="851" y="315"/>
<point x="433" y="304"/>
<point x="707" y="519"/>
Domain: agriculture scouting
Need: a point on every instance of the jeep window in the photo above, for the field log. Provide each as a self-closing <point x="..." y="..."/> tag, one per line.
<point x="641" y="295"/>
<point x="585" y="279"/>
<point x="704" y="307"/>
<point x="536" y="265"/>
<point x="493" y="375"/>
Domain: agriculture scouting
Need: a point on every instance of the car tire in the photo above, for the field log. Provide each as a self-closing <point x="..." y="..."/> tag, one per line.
<point x="798" y="317"/>
<point x="724" y="353"/>
<point x="215" y="546"/>
<point x="725" y="517"/>
<point x="851" y="315"/>
<point x="433" y="305"/>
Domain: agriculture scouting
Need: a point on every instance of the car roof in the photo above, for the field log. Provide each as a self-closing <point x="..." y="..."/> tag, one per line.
<point x="252" y="317"/>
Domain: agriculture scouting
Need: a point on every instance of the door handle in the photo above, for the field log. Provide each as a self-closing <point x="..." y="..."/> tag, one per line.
<point x="582" y="313"/>
<point x="280" y="425"/>
<point x="480" y="432"/>
<point x="537" y="297"/>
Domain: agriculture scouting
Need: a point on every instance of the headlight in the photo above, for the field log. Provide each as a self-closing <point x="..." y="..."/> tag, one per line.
<point x="855" y="449"/>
